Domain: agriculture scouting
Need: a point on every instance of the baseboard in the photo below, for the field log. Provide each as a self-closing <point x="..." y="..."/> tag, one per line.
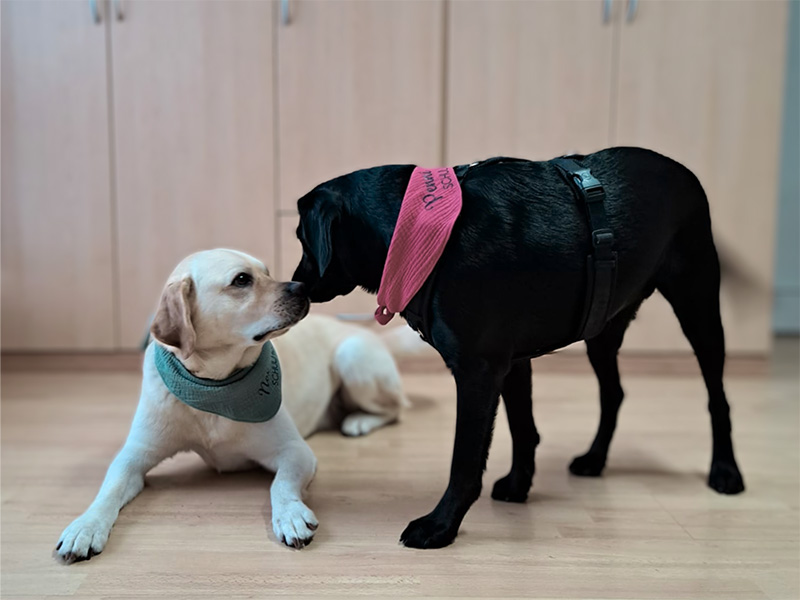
<point x="561" y="362"/>
<point x="683" y="364"/>
<point x="123" y="361"/>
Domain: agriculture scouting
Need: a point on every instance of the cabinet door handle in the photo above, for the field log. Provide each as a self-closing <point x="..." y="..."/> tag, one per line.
<point x="95" y="11"/>
<point x="118" y="10"/>
<point x="285" y="16"/>
<point x="631" y="14"/>
<point x="606" y="11"/>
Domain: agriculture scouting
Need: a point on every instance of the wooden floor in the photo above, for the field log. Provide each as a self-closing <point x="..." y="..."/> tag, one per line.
<point x="649" y="528"/>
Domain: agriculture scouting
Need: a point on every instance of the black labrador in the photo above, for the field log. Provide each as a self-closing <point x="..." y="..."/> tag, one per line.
<point x="511" y="285"/>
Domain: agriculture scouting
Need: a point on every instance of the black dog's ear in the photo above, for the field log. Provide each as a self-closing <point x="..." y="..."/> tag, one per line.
<point x="317" y="226"/>
<point x="320" y="241"/>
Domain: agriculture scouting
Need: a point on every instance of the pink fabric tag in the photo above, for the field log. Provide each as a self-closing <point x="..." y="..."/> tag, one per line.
<point x="430" y="208"/>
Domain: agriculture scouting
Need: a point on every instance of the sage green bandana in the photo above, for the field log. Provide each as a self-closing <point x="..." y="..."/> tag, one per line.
<point x="251" y="395"/>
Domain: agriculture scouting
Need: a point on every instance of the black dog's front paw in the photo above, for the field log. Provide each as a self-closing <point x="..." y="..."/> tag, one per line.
<point x="725" y="478"/>
<point x="588" y="465"/>
<point x="427" y="532"/>
<point x="511" y="488"/>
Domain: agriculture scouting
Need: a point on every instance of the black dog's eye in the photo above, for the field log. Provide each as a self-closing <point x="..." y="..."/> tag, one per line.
<point x="242" y="280"/>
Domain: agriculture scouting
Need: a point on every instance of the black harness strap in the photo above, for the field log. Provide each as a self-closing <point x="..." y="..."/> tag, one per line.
<point x="601" y="267"/>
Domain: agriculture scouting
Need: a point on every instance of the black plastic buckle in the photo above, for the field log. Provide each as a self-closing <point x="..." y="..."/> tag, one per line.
<point x="595" y="194"/>
<point x="586" y="180"/>
<point x="602" y="238"/>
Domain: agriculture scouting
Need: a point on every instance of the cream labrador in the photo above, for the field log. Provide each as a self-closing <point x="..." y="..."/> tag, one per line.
<point x="218" y="310"/>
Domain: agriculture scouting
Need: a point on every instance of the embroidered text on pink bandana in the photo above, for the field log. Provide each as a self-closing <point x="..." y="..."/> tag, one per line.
<point x="431" y="205"/>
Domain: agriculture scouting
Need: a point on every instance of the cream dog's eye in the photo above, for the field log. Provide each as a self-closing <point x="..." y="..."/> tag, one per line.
<point x="242" y="280"/>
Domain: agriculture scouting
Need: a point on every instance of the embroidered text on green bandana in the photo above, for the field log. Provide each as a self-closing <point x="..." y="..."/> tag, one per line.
<point x="252" y="394"/>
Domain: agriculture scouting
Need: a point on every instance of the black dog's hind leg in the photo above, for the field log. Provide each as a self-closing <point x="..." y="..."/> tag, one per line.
<point x="690" y="282"/>
<point x="516" y="394"/>
<point x="602" y="351"/>
<point x="478" y="390"/>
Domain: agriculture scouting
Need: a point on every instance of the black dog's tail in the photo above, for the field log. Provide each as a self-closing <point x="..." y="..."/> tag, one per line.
<point x="734" y="272"/>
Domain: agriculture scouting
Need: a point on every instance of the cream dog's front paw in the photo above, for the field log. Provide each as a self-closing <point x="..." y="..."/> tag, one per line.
<point x="294" y="524"/>
<point x="86" y="536"/>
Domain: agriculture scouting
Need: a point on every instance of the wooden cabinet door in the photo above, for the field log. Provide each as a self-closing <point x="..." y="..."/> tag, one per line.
<point x="701" y="82"/>
<point x="360" y="84"/>
<point x="56" y="212"/>
<point x="193" y="115"/>
<point x="527" y="79"/>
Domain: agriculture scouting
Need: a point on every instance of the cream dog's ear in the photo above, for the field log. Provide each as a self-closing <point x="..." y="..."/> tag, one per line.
<point x="172" y="325"/>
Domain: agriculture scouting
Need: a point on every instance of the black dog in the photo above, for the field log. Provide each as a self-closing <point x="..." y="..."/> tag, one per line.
<point x="511" y="285"/>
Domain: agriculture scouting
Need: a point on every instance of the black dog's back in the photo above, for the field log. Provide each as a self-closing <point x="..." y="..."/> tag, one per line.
<point x="520" y="247"/>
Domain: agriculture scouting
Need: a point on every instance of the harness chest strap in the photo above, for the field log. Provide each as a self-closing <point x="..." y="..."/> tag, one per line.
<point x="601" y="268"/>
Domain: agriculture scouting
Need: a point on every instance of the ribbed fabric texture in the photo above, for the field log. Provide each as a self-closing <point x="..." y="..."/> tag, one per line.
<point x="251" y="395"/>
<point x="431" y="205"/>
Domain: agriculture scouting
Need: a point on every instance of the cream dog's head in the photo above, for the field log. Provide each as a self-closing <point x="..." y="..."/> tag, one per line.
<point x="224" y="300"/>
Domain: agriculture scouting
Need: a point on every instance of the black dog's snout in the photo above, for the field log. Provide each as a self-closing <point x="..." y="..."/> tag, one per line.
<point x="295" y="288"/>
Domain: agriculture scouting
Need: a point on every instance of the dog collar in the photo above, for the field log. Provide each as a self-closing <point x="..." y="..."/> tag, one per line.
<point x="430" y="207"/>
<point x="250" y="395"/>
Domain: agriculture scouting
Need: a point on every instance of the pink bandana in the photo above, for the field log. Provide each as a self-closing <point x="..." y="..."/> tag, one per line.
<point x="430" y="208"/>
